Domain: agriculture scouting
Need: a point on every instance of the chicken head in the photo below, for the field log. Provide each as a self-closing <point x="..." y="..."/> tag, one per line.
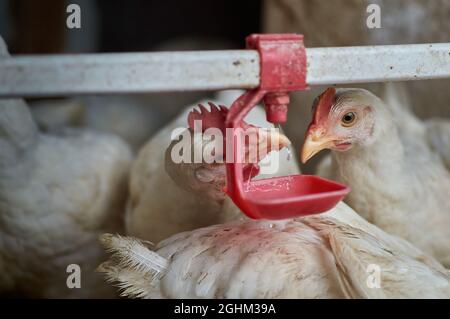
<point x="342" y="119"/>
<point x="204" y="171"/>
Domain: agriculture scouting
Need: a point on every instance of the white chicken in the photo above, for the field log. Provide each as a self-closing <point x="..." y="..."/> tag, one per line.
<point x="159" y="207"/>
<point x="434" y="132"/>
<point x="333" y="255"/>
<point x="438" y="135"/>
<point x="402" y="22"/>
<point x="57" y="194"/>
<point x="313" y="257"/>
<point x="398" y="182"/>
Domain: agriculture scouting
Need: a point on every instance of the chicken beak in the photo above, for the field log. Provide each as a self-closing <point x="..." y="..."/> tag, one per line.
<point x="268" y="140"/>
<point x="314" y="145"/>
<point x="274" y="141"/>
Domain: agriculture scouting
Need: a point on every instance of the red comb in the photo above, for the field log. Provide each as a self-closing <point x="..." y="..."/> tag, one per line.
<point x="214" y="118"/>
<point x="323" y="105"/>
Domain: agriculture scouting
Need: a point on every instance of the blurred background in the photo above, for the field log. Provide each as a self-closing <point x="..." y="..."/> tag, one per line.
<point x="35" y="27"/>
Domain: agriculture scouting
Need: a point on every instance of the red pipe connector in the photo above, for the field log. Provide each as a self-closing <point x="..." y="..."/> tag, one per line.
<point x="276" y="107"/>
<point x="283" y="69"/>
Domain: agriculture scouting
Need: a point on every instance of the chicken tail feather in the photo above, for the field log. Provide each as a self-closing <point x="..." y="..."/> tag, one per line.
<point x="133" y="266"/>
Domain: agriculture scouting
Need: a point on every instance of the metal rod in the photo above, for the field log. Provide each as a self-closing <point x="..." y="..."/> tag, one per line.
<point x="378" y="63"/>
<point x="128" y="73"/>
<point x="211" y="70"/>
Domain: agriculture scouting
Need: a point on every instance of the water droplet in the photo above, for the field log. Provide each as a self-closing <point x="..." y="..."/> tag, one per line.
<point x="289" y="180"/>
<point x="289" y="153"/>
<point x="249" y="177"/>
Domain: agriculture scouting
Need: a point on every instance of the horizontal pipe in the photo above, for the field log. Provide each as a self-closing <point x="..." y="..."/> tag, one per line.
<point x="50" y="75"/>
<point x="343" y="65"/>
<point x="58" y="75"/>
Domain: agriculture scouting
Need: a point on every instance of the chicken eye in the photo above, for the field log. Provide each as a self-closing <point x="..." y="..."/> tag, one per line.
<point x="348" y="119"/>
